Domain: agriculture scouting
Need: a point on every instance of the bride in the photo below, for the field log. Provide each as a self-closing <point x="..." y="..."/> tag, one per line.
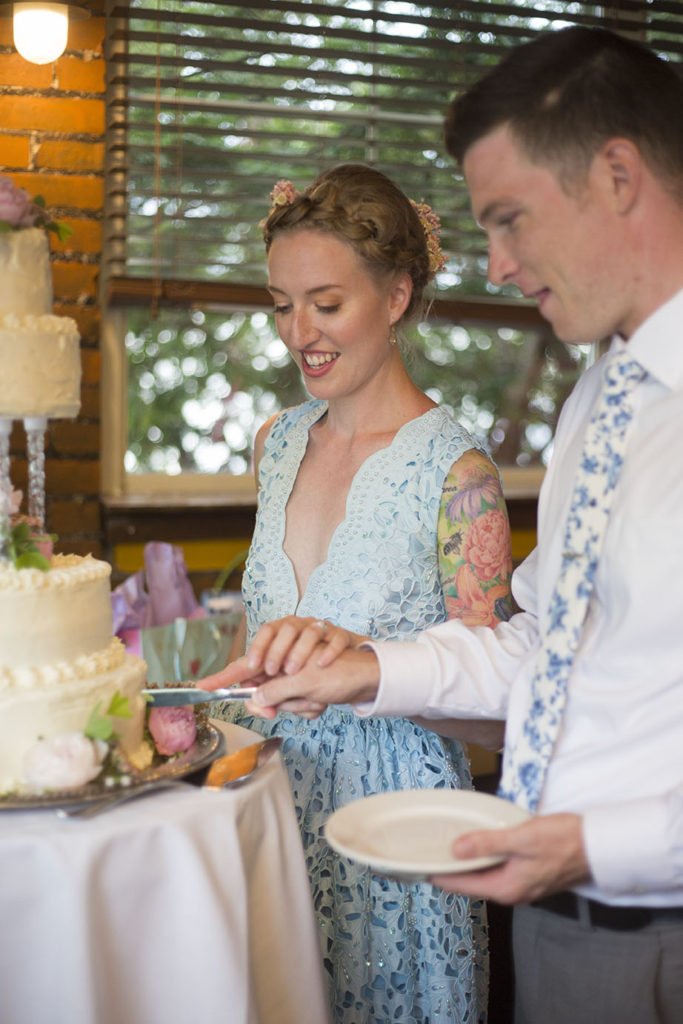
<point x="378" y="516"/>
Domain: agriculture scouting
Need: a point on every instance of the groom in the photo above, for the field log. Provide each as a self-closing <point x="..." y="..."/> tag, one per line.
<point x="572" y="149"/>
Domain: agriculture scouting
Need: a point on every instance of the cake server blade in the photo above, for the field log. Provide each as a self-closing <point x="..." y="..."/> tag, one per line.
<point x="232" y="769"/>
<point x="173" y="696"/>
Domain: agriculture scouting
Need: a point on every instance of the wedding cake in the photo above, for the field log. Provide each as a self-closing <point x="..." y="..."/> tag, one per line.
<point x="59" y="660"/>
<point x="39" y="352"/>
<point x="60" y="665"/>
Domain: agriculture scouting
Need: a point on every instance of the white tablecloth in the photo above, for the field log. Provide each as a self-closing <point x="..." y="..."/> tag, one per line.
<point x="184" y="907"/>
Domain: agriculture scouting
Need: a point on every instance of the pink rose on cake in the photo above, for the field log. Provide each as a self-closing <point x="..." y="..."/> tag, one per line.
<point x="18" y="210"/>
<point x="16" y="207"/>
<point x="63" y="762"/>
<point x="173" y="729"/>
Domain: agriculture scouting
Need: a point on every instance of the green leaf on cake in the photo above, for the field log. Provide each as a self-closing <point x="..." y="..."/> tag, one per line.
<point x="32" y="560"/>
<point x="24" y="551"/>
<point x="21" y="533"/>
<point x="98" y="727"/>
<point x="61" y="229"/>
<point x="119" y="706"/>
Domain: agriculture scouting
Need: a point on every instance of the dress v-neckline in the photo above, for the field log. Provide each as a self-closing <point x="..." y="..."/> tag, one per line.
<point x="298" y="449"/>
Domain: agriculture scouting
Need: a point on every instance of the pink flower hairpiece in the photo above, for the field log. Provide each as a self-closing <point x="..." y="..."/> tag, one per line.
<point x="431" y="225"/>
<point x="283" y="194"/>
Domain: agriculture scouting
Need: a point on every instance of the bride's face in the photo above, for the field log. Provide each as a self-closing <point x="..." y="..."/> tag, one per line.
<point x="332" y="314"/>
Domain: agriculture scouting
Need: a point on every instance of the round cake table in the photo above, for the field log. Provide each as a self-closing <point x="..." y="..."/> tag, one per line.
<point x="181" y="907"/>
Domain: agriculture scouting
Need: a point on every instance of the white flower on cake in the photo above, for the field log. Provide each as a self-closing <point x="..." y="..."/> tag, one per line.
<point x="64" y="762"/>
<point x="72" y="759"/>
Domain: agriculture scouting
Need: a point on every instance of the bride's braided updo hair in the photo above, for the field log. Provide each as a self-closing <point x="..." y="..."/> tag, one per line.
<point x="364" y="208"/>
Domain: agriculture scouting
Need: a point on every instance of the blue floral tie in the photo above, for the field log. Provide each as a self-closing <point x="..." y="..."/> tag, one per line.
<point x="525" y="766"/>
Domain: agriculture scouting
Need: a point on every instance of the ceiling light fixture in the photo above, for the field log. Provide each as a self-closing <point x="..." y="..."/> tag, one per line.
<point x="41" y="29"/>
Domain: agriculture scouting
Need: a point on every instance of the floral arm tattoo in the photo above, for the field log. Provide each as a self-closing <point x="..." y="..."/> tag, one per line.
<point x="475" y="563"/>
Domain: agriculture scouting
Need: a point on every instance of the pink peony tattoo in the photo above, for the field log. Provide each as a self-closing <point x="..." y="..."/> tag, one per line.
<point x="486" y="545"/>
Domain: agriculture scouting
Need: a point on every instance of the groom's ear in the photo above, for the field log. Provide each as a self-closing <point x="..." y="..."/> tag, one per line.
<point x="618" y="167"/>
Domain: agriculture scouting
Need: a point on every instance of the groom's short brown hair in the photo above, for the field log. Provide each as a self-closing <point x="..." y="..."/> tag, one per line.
<point x="565" y="93"/>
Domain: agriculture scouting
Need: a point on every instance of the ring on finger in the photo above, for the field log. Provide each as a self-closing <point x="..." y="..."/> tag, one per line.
<point x="323" y="625"/>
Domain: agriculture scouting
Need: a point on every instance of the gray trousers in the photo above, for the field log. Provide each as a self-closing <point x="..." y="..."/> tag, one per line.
<point x="569" y="972"/>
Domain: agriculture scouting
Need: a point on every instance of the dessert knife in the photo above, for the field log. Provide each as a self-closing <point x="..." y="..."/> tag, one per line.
<point x="172" y="696"/>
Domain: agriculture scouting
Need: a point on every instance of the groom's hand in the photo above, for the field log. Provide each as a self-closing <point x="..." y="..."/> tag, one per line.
<point x="542" y="856"/>
<point x="353" y="678"/>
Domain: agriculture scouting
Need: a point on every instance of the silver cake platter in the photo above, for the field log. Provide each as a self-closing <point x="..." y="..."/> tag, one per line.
<point x="208" y="745"/>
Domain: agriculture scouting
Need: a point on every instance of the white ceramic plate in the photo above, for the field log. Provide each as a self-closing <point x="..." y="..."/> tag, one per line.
<point x="409" y="834"/>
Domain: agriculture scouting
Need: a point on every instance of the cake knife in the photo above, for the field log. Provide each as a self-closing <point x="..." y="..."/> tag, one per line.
<point x="172" y="696"/>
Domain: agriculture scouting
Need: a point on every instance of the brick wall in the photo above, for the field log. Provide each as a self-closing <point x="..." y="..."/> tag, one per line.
<point x="52" y="144"/>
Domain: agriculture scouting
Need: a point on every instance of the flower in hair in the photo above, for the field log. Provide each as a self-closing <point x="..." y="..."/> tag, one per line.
<point x="283" y="193"/>
<point x="431" y="225"/>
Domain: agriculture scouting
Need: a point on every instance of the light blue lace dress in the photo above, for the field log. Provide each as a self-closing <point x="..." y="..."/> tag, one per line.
<point x="392" y="952"/>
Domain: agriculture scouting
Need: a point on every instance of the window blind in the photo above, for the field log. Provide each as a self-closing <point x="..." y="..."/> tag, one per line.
<point x="209" y="103"/>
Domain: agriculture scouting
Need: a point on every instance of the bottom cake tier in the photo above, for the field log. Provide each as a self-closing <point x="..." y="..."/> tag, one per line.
<point x="59" y="661"/>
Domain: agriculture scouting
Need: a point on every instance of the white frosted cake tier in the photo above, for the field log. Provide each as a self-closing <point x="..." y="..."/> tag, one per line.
<point x="25" y="273"/>
<point x="55" y="616"/>
<point x="41" y="366"/>
<point x="27" y="715"/>
<point x="58" y="659"/>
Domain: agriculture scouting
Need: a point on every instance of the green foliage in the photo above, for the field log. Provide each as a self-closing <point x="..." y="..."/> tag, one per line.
<point x="201" y="384"/>
<point x="100" y="726"/>
<point x="58" y="227"/>
<point x="23" y="550"/>
<point x="506" y="386"/>
<point x="119" y="706"/>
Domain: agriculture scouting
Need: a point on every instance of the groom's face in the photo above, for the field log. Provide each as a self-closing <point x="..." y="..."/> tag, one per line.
<point x="554" y="245"/>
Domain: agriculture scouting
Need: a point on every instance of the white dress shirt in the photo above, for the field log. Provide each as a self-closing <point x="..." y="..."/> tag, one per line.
<point x="619" y="757"/>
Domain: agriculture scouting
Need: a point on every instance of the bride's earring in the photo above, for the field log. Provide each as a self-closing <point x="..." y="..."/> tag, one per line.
<point x="392" y="335"/>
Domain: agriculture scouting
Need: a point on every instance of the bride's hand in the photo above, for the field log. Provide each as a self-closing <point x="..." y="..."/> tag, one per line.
<point x="238" y="672"/>
<point x="285" y="645"/>
<point x="303" y="708"/>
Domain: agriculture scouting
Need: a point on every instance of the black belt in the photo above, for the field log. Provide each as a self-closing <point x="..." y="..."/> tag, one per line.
<point x="603" y="915"/>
